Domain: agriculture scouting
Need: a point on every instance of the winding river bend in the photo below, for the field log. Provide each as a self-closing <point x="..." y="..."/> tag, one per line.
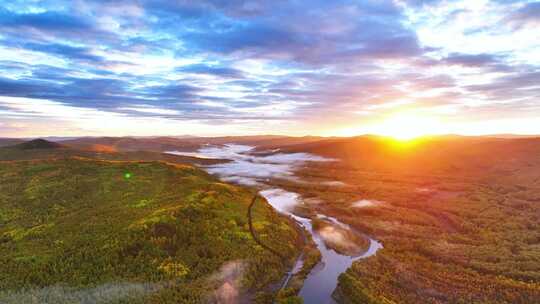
<point x="256" y="170"/>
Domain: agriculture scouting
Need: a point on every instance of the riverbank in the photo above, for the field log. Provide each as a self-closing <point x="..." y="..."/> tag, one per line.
<point x="319" y="273"/>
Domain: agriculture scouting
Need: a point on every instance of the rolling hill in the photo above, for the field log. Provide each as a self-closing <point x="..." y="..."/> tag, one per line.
<point x="75" y="229"/>
<point x="459" y="217"/>
<point x="37" y="144"/>
<point x="161" y="144"/>
<point x="43" y="149"/>
<point x="428" y="155"/>
<point x="10" y="141"/>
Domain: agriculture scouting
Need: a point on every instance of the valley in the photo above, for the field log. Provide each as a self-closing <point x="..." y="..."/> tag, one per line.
<point x="330" y="239"/>
<point x="440" y="225"/>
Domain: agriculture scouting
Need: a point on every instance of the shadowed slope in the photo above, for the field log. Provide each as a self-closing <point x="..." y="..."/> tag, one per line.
<point x="37" y="144"/>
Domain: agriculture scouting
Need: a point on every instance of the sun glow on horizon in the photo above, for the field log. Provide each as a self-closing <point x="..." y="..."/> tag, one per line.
<point x="401" y="126"/>
<point x="406" y="126"/>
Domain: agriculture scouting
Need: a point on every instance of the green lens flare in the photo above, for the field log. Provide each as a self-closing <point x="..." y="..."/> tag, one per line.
<point x="127" y="175"/>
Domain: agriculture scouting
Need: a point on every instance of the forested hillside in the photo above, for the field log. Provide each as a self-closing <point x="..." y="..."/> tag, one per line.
<point x="459" y="217"/>
<point x="79" y="229"/>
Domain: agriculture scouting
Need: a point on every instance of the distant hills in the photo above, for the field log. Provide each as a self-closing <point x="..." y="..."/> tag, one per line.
<point x="38" y="144"/>
<point x="190" y="143"/>
<point x="10" y="141"/>
<point x="44" y="149"/>
<point x="368" y="152"/>
<point x="185" y="143"/>
<point x="431" y="154"/>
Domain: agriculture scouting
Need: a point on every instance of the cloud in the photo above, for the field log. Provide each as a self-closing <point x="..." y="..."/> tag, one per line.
<point x="261" y="30"/>
<point x="421" y="2"/>
<point x="474" y="60"/>
<point x="254" y="38"/>
<point x="364" y="203"/>
<point x="40" y="117"/>
<point x="72" y="52"/>
<point x="211" y="70"/>
<point x="151" y="109"/>
<point x="289" y="158"/>
<point x="97" y="93"/>
<point x="528" y="15"/>
<point x="42" y="21"/>
<point x="297" y="66"/>
<point x="281" y="200"/>
<point x="334" y="183"/>
<point x="521" y="86"/>
<point x="55" y="24"/>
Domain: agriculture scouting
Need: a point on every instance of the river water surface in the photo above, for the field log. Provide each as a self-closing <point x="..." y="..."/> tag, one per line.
<point x="258" y="170"/>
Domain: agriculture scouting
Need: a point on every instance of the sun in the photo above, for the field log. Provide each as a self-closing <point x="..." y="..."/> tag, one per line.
<point x="402" y="126"/>
<point x="406" y="126"/>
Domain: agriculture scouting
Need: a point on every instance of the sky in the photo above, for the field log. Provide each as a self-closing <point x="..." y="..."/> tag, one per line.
<point x="165" y="67"/>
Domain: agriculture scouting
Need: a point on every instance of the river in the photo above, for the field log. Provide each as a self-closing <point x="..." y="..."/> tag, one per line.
<point x="258" y="170"/>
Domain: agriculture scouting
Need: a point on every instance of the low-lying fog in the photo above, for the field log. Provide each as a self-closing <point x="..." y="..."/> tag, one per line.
<point x="339" y="245"/>
<point x="251" y="169"/>
<point x="366" y="203"/>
